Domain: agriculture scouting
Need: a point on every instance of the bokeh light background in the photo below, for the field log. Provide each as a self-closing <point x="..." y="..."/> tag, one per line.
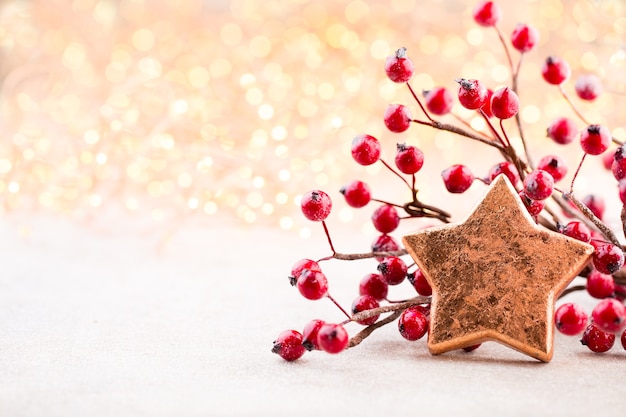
<point x="228" y="111"/>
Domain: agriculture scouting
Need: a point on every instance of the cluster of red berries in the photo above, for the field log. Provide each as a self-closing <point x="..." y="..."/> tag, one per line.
<point x="535" y="184"/>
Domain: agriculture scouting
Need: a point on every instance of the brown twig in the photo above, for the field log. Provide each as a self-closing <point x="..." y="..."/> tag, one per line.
<point x="608" y="233"/>
<point x="572" y="289"/>
<point x="459" y="131"/>
<point x="360" y="336"/>
<point x="367" y="255"/>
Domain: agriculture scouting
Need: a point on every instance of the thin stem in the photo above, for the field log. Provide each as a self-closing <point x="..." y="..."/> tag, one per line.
<point x="419" y="102"/>
<point x="493" y="129"/>
<point x="364" y="315"/>
<point x="467" y="124"/>
<point x="363" y="334"/>
<point x="397" y="173"/>
<point x="459" y="131"/>
<point x="506" y="50"/>
<point x="572" y="289"/>
<point x="571" y="104"/>
<point x="506" y="137"/>
<point x="571" y="186"/>
<point x="338" y="305"/>
<point x="366" y="255"/>
<point x="387" y="202"/>
<point x="330" y="241"/>
<point x="608" y="233"/>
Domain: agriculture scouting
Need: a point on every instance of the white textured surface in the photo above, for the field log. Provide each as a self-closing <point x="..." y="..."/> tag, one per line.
<point x="103" y="324"/>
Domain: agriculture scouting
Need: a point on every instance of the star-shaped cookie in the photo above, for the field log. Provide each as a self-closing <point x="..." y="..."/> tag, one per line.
<point x="496" y="276"/>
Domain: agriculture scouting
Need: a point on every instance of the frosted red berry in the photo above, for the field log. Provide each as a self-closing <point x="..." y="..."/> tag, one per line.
<point x="506" y="168"/>
<point x="439" y="101"/>
<point x="538" y="185"/>
<point x="363" y="303"/>
<point x="597" y="340"/>
<point x="596" y="204"/>
<point x="457" y="178"/>
<point x="588" y="87"/>
<point x="570" y="319"/>
<point x="607" y="258"/>
<point x="420" y="283"/>
<point x="309" y="334"/>
<point x="534" y="207"/>
<point x="393" y="270"/>
<point x="555" y="70"/>
<point x="397" y="118"/>
<point x="618" y="164"/>
<point x="472" y="93"/>
<point x="386" y="218"/>
<point x="288" y="345"/>
<point x="301" y="266"/>
<point x="504" y="103"/>
<point x="313" y="285"/>
<point x="563" y="130"/>
<point x="384" y="243"/>
<point x="609" y="315"/>
<point x="374" y="285"/>
<point x="399" y="67"/>
<point x="332" y="338"/>
<point x="487" y="13"/>
<point x="409" y="159"/>
<point x="577" y="230"/>
<point x="595" y="139"/>
<point x="554" y="165"/>
<point x="600" y="285"/>
<point x="365" y="149"/>
<point x="413" y="324"/>
<point x="357" y="194"/>
<point x="524" y="37"/>
<point x="316" y="205"/>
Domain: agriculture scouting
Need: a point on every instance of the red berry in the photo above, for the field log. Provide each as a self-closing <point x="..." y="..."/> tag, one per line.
<point x="420" y="283"/>
<point x="588" y="87"/>
<point x="409" y="159"/>
<point x="332" y="338"/>
<point x="506" y="168"/>
<point x="577" y="230"/>
<point x="363" y="303"/>
<point x="457" y="178"/>
<point x="623" y="339"/>
<point x="365" y="149"/>
<point x="288" y="345"/>
<point x="374" y="285"/>
<point x="563" y="131"/>
<point x="600" y="285"/>
<point x="316" y="205"/>
<point x="618" y="163"/>
<point x="393" y="270"/>
<point x="472" y="93"/>
<point x="384" y="243"/>
<point x="608" y="159"/>
<point x="357" y="193"/>
<point x="596" y="340"/>
<point x="534" y="207"/>
<point x="504" y="103"/>
<point x="301" y="266"/>
<point x="595" y="139"/>
<point x="607" y="258"/>
<point x="439" y="101"/>
<point x="524" y="37"/>
<point x="471" y="348"/>
<point x="412" y="325"/>
<point x="313" y="285"/>
<point x="309" y="334"/>
<point x="555" y="70"/>
<point x="553" y="165"/>
<point x="570" y="319"/>
<point x="538" y="185"/>
<point x="595" y="204"/>
<point x="386" y="218"/>
<point x="486" y="108"/>
<point x="398" y="67"/>
<point x="487" y="13"/>
<point x="610" y="315"/>
<point x="397" y="118"/>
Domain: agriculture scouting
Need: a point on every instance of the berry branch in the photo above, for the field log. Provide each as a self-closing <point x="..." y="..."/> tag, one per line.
<point x="605" y="276"/>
